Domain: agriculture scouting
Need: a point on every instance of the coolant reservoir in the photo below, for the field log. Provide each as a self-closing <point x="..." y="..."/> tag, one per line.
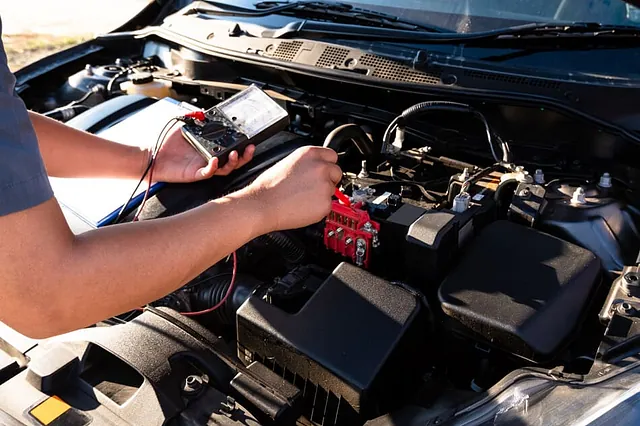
<point x="144" y="84"/>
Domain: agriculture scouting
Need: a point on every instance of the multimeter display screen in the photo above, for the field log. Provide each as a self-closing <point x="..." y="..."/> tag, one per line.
<point x="251" y="111"/>
<point x="248" y="117"/>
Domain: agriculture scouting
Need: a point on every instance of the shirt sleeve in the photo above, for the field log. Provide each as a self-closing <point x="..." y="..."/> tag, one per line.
<point x="23" y="178"/>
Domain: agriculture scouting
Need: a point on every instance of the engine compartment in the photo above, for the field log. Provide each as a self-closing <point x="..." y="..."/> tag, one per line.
<point x="445" y="264"/>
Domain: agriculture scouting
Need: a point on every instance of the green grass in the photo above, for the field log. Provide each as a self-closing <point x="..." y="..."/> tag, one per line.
<point x="23" y="49"/>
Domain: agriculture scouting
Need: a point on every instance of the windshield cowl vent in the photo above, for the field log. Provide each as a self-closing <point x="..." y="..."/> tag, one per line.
<point x="388" y="69"/>
<point x="353" y="60"/>
<point x="287" y="50"/>
<point x="512" y="79"/>
<point x="332" y="57"/>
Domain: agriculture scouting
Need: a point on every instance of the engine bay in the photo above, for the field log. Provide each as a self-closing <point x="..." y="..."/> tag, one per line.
<point x="453" y="255"/>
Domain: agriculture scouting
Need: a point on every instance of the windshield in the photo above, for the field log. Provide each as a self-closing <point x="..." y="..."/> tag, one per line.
<point x="466" y="16"/>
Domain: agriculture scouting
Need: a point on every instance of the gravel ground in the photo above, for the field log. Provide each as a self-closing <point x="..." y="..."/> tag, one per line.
<point x="46" y="26"/>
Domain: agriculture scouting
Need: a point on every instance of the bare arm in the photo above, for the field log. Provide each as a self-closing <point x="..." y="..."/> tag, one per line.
<point x="52" y="281"/>
<point x="68" y="152"/>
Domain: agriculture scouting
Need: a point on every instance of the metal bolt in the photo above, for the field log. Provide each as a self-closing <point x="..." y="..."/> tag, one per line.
<point x="424" y="149"/>
<point x="524" y="193"/>
<point x="523" y="176"/>
<point x="624" y="308"/>
<point x="192" y="385"/>
<point x="229" y="406"/>
<point x="578" y="196"/>
<point x="348" y="241"/>
<point x="361" y="250"/>
<point x="339" y="232"/>
<point x="605" y="181"/>
<point x="538" y="177"/>
<point x="629" y="280"/>
<point x="330" y="234"/>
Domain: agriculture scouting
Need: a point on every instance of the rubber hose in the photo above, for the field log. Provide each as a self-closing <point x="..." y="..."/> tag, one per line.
<point x="290" y="249"/>
<point x="338" y="136"/>
<point x="441" y="105"/>
<point x="502" y="188"/>
<point x="421" y="108"/>
<point x="503" y="196"/>
<point x="214" y="292"/>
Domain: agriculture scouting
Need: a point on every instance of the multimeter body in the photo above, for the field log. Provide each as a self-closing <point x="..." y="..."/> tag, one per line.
<point x="249" y="117"/>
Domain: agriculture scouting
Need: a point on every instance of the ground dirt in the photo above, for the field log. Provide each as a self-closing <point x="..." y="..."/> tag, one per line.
<point x="42" y="27"/>
<point x="23" y="49"/>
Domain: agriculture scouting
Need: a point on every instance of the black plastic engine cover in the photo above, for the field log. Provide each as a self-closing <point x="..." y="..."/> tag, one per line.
<point x="351" y="337"/>
<point x="128" y="374"/>
<point x="522" y="290"/>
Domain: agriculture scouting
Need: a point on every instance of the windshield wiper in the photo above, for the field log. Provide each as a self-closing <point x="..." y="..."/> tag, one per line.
<point x="331" y="11"/>
<point x="384" y="27"/>
<point x="555" y="30"/>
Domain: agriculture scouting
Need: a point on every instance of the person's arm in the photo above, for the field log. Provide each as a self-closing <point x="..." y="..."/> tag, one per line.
<point x="68" y="152"/>
<point x="52" y="281"/>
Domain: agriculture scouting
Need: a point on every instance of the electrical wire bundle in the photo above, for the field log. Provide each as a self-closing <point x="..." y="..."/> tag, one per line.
<point x="398" y="126"/>
<point x="148" y="174"/>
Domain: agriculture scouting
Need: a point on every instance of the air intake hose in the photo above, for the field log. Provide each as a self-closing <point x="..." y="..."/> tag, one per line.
<point x="214" y="292"/>
<point x="290" y="249"/>
<point x="341" y="134"/>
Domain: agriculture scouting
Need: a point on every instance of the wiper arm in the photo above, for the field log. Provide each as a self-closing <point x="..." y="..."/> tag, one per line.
<point x="396" y="29"/>
<point x="585" y="29"/>
<point x="336" y="12"/>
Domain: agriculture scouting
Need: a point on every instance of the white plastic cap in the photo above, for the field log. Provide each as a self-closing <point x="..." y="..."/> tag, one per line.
<point x="605" y="181"/>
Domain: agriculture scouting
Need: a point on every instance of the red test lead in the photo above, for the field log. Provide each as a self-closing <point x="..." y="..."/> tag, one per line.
<point x="343" y="198"/>
<point x="196" y="115"/>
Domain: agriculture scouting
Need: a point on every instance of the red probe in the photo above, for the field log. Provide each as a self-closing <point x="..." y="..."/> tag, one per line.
<point x="343" y="198"/>
<point x="197" y="115"/>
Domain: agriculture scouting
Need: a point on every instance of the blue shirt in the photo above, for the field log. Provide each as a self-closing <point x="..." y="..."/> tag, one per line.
<point x="23" y="178"/>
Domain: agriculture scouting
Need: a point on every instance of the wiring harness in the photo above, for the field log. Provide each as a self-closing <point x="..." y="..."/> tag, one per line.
<point x="398" y="125"/>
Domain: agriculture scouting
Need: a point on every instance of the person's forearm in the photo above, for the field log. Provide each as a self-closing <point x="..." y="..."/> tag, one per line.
<point x="68" y="152"/>
<point x="84" y="279"/>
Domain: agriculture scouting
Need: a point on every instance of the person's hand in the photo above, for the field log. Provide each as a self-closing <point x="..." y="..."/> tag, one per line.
<point x="178" y="161"/>
<point x="297" y="191"/>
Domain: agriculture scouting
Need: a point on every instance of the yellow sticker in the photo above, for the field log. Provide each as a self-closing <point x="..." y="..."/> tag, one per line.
<point x="49" y="410"/>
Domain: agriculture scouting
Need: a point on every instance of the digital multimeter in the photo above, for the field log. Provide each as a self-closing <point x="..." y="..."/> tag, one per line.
<point x="249" y="117"/>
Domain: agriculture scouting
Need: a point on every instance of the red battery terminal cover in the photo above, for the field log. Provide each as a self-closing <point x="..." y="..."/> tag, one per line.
<point x="350" y="232"/>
